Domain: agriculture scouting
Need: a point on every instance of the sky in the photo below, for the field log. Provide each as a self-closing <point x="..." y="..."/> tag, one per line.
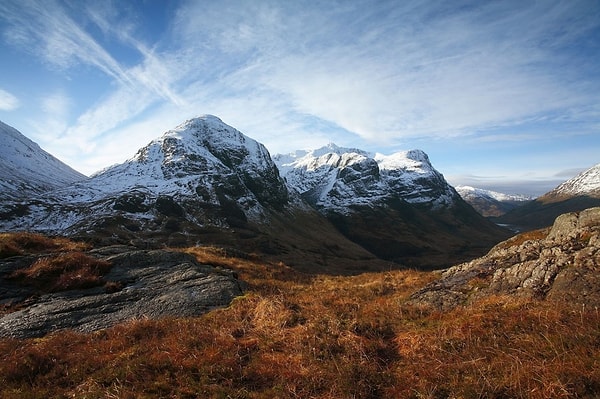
<point x="503" y="95"/>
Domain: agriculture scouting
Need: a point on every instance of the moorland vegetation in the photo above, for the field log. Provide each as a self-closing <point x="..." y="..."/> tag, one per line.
<point x="295" y="335"/>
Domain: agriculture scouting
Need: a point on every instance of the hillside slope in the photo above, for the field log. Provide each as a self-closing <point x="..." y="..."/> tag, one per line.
<point x="562" y="262"/>
<point x="27" y="170"/>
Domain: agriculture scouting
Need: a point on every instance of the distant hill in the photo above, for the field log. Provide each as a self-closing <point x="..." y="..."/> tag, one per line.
<point x="491" y="203"/>
<point x="574" y="195"/>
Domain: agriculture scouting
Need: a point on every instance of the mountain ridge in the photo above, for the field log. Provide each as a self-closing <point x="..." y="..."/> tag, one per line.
<point x="491" y="203"/>
<point x="203" y="182"/>
<point x="206" y="182"/>
<point x="397" y="206"/>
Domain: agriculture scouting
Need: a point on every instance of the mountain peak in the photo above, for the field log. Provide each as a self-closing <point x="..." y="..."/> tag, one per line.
<point x="585" y="183"/>
<point x="203" y="170"/>
<point x="414" y="160"/>
<point x="332" y="148"/>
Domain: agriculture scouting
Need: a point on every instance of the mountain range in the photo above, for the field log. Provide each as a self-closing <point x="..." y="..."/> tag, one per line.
<point x="205" y="183"/>
<point x="200" y="183"/>
<point x="491" y="203"/>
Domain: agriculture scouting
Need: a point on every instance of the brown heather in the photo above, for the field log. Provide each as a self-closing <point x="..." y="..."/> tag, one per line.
<point x="14" y="244"/>
<point x="300" y="336"/>
<point x="62" y="272"/>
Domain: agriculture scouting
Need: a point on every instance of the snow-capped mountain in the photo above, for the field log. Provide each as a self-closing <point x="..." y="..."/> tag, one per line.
<point x="26" y="169"/>
<point x="468" y="191"/>
<point x="397" y="206"/>
<point x="491" y="203"/>
<point x="337" y="179"/>
<point x="574" y="195"/>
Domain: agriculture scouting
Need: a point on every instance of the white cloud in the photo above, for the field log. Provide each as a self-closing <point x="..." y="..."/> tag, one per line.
<point x="8" y="102"/>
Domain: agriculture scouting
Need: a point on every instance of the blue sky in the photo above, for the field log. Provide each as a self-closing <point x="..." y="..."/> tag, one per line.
<point x="500" y="94"/>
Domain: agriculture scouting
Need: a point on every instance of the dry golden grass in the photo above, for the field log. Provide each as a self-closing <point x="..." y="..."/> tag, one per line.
<point x="299" y="336"/>
<point x="62" y="267"/>
<point x="519" y="239"/>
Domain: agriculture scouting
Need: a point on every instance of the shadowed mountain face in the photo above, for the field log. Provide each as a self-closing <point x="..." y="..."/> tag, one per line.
<point x="398" y="206"/>
<point x="574" y="195"/>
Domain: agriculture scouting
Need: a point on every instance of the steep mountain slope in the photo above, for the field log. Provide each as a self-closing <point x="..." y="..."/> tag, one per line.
<point x="398" y="206"/>
<point x="574" y="195"/>
<point x="491" y="203"/>
<point x="202" y="182"/>
<point x="26" y="169"/>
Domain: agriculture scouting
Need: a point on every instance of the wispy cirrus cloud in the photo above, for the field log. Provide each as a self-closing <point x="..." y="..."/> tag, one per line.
<point x="59" y="34"/>
<point x="46" y="29"/>
<point x="400" y="70"/>
<point x="292" y="73"/>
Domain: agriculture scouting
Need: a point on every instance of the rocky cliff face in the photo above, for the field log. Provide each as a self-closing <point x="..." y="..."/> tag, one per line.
<point x="559" y="262"/>
<point x="152" y="284"/>
<point x="336" y="179"/>
<point x="398" y="206"/>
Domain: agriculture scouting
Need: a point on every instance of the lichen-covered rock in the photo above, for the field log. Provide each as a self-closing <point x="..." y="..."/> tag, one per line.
<point x="151" y="284"/>
<point x="565" y="264"/>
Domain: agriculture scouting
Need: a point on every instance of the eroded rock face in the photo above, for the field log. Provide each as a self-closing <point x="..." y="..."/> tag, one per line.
<point x="152" y="284"/>
<point x="564" y="264"/>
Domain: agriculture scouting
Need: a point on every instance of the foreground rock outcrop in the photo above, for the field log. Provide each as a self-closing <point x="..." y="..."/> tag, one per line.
<point x="562" y="262"/>
<point x="152" y="284"/>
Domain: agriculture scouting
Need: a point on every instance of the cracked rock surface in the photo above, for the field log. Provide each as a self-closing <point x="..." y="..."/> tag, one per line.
<point x="152" y="284"/>
<point x="562" y="262"/>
